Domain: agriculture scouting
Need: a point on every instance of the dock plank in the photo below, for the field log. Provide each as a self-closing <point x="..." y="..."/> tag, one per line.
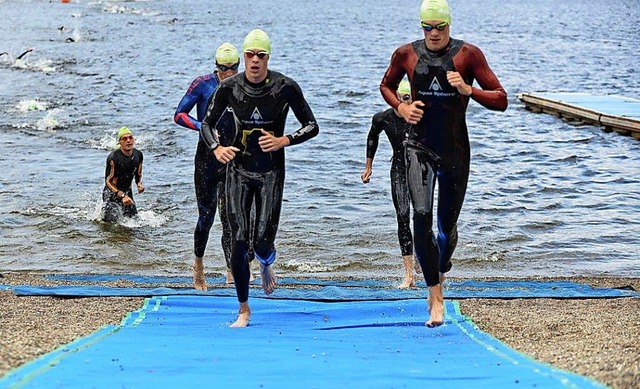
<point x="613" y="113"/>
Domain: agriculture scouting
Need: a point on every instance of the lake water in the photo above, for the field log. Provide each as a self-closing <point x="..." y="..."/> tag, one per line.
<point x="545" y="197"/>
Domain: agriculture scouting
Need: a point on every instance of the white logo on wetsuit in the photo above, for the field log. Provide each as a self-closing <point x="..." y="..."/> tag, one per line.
<point x="256" y="114"/>
<point x="435" y="85"/>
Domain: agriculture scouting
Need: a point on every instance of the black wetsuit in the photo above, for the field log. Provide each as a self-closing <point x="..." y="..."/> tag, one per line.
<point x="438" y="146"/>
<point x="119" y="173"/>
<point x="396" y="129"/>
<point x="253" y="176"/>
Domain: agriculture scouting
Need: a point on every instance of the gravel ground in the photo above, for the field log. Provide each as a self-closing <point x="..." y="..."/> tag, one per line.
<point x="598" y="338"/>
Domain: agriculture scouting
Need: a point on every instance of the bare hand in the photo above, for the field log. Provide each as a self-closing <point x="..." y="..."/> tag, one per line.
<point x="126" y="200"/>
<point x="366" y="175"/>
<point x="269" y="142"/>
<point x="411" y="112"/>
<point x="456" y="81"/>
<point x="140" y="187"/>
<point x="225" y="154"/>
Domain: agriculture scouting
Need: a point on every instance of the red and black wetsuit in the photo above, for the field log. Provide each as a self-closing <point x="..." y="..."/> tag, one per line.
<point x="120" y="171"/>
<point x="253" y="176"/>
<point x="396" y="129"/>
<point x="438" y="146"/>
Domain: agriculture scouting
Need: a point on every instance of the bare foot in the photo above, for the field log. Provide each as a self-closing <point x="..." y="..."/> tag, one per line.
<point x="417" y="267"/>
<point x="436" y="306"/>
<point x="409" y="280"/>
<point x="268" y="279"/>
<point x="229" y="277"/>
<point x="430" y="300"/>
<point x="243" y="316"/>
<point x="199" y="281"/>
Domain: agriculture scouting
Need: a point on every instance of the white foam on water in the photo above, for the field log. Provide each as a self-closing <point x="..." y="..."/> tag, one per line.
<point x="50" y="122"/>
<point x="31" y="105"/>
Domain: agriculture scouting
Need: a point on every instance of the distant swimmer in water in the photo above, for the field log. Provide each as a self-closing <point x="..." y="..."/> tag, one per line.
<point x="123" y="166"/>
<point x="396" y="128"/>
<point x="19" y="58"/>
<point x="442" y="71"/>
<point x="24" y="53"/>
<point x="260" y="99"/>
<point x="209" y="174"/>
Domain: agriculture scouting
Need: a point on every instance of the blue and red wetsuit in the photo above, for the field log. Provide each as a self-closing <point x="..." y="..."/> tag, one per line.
<point x="438" y="146"/>
<point x="209" y="174"/>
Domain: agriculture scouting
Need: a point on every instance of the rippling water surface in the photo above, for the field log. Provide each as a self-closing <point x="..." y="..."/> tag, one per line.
<point x="545" y="196"/>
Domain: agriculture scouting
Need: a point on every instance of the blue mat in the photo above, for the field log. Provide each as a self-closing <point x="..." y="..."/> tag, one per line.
<point x="184" y="341"/>
<point x="327" y="290"/>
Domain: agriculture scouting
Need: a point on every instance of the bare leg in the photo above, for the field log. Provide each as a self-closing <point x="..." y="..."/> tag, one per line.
<point x="229" y="277"/>
<point x="417" y="266"/>
<point x="199" y="281"/>
<point x="409" y="279"/>
<point x="244" y="313"/>
<point x="436" y="304"/>
<point x="268" y="279"/>
<point x="429" y="300"/>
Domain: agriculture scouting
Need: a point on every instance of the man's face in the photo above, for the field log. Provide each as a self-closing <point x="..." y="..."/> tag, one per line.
<point x="226" y="70"/>
<point x="127" y="142"/>
<point x="256" y="61"/>
<point x="404" y="98"/>
<point x="436" y="34"/>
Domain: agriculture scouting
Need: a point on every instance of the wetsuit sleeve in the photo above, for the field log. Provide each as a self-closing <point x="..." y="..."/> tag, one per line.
<point x="138" y="173"/>
<point x="215" y="109"/>
<point x="303" y="113"/>
<point x="394" y="74"/>
<point x="373" y="137"/>
<point x="492" y="95"/>
<point x="110" y="174"/>
<point x="188" y="101"/>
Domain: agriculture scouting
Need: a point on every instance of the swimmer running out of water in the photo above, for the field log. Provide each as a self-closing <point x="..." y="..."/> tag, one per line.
<point x="441" y="71"/>
<point x="396" y="128"/>
<point x="260" y="99"/>
<point x="123" y="166"/>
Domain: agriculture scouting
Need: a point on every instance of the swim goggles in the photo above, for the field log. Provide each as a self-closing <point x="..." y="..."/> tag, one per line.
<point x="440" y="27"/>
<point x="224" y="68"/>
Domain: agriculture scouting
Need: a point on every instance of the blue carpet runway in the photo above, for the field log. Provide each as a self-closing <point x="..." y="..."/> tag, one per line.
<point x="182" y="341"/>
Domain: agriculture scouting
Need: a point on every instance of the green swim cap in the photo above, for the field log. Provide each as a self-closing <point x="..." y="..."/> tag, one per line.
<point x="404" y="88"/>
<point x="257" y="39"/>
<point x="435" y="10"/>
<point x="123" y="131"/>
<point x="227" y="53"/>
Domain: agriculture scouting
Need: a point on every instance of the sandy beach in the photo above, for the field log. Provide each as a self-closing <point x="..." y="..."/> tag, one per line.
<point x="598" y="338"/>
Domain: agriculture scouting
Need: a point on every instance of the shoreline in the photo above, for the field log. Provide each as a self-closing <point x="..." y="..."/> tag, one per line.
<point x="597" y="338"/>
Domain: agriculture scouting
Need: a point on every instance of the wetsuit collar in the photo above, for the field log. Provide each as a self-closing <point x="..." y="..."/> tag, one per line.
<point x="440" y="52"/>
<point x="261" y="83"/>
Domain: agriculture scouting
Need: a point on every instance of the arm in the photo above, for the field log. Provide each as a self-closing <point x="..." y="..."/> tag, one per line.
<point x="188" y="101"/>
<point x="372" y="147"/>
<point x="138" y="176"/>
<point x="491" y="94"/>
<point x="403" y="62"/>
<point x="301" y="109"/>
<point x="215" y="109"/>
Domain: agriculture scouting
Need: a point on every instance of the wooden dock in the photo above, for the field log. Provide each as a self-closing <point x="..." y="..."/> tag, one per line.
<point x="613" y="113"/>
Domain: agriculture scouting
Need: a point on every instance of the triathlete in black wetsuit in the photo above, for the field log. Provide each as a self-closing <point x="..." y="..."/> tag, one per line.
<point x="396" y="129"/>
<point x="260" y="99"/>
<point x="441" y="71"/>
<point x="123" y="166"/>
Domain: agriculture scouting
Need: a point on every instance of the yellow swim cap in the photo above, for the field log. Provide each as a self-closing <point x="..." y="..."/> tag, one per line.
<point x="404" y="88"/>
<point x="435" y="10"/>
<point x="227" y="53"/>
<point x="257" y="39"/>
<point x="123" y="131"/>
